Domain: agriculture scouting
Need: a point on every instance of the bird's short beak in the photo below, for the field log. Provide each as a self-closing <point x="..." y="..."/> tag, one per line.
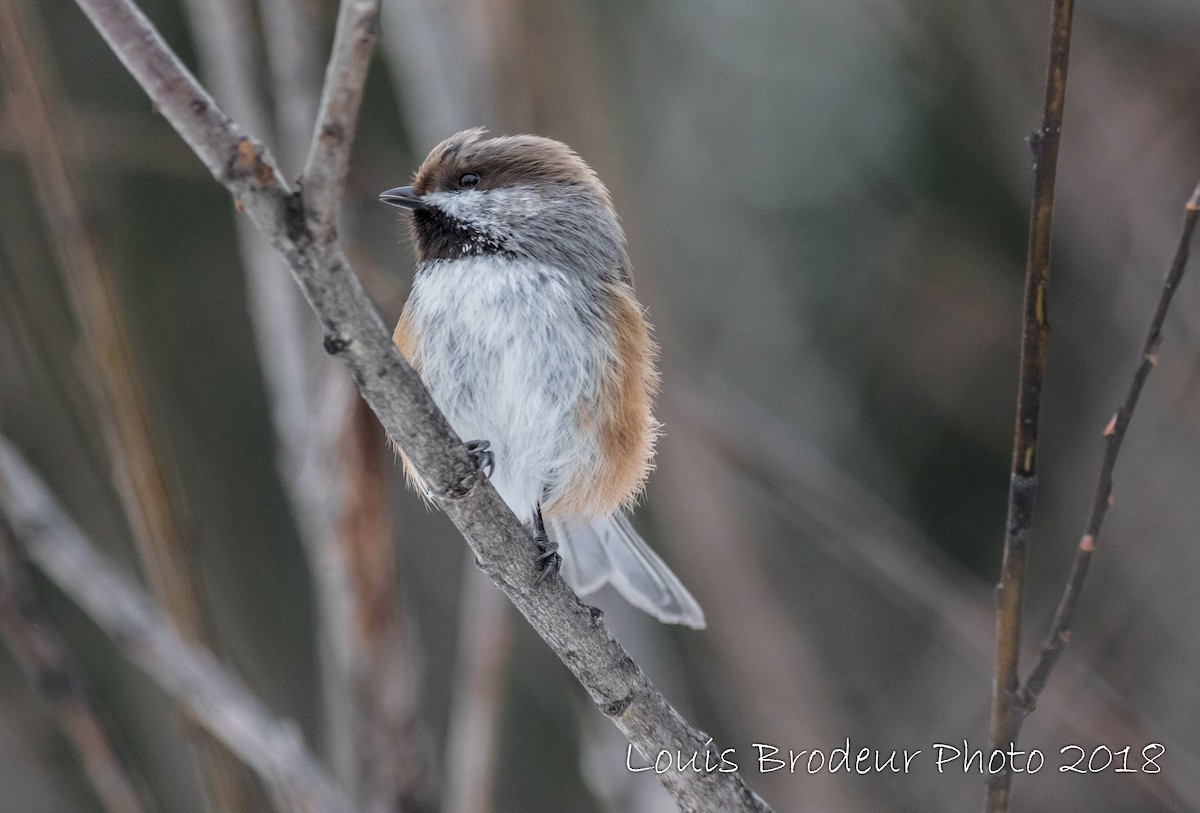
<point x="404" y="197"/>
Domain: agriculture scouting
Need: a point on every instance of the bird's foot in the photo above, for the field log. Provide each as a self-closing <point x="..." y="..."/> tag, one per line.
<point x="549" y="560"/>
<point x="548" y="556"/>
<point x="485" y="459"/>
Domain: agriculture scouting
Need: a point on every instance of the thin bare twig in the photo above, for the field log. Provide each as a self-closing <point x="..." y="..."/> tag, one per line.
<point x="48" y="665"/>
<point x="146" y="483"/>
<point x="355" y="334"/>
<point x="1035" y="330"/>
<point x="214" y="698"/>
<point x="347" y="530"/>
<point x="369" y="712"/>
<point x="1114" y="436"/>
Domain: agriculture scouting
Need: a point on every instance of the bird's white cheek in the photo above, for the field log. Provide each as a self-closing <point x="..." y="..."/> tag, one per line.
<point x="490" y="210"/>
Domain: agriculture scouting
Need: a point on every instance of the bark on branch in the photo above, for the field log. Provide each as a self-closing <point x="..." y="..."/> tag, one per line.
<point x="353" y="332"/>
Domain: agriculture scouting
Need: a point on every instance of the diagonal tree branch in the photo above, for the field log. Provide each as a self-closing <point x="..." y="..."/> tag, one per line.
<point x="355" y="334"/>
<point x="1114" y="437"/>
<point x="1035" y="330"/>
<point x="215" y="698"/>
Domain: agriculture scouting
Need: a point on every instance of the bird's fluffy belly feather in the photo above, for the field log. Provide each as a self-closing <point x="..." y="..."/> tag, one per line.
<point x="511" y="355"/>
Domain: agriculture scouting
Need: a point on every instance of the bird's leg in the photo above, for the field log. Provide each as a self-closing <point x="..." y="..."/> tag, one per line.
<point x="481" y="452"/>
<point x="549" y="559"/>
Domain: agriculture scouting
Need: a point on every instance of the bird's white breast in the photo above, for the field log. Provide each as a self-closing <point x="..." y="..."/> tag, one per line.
<point x="510" y="354"/>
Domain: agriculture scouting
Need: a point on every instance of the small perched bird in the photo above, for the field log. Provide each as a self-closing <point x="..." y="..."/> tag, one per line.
<point x="523" y="324"/>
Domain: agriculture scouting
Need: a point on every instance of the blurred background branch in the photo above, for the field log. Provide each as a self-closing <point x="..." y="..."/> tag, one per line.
<point x="146" y="482"/>
<point x="50" y="669"/>
<point x="214" y="698"/>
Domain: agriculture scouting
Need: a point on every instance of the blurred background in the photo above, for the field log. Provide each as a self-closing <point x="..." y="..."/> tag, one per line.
<point x="826" y="205"/>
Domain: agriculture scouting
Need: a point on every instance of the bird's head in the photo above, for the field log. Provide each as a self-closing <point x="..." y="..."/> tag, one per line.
<point x="520" y="197"/>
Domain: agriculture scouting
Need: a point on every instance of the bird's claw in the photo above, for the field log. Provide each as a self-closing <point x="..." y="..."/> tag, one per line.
<point x="485" y="459"/>
<point x="549" y="560"/>
<point x="548" y="556"/>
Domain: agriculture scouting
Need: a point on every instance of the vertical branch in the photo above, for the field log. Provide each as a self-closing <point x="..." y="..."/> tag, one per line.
<point x="1035" y="329"/>
<point x="145" y="481"/>
<point x="147" y="487"/>
<point x="859" y="531"/>
<point x="224" y="34"/>
<point x="47" y="664"/>
<point x="443" y="59"/>
<point x="320" y="195"/>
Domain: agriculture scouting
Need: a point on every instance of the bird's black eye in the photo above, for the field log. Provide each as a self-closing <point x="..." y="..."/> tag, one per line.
<point x="468" y="180"/>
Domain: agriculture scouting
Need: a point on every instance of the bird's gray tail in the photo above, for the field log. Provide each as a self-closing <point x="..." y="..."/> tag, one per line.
<point x="609" y="551"/>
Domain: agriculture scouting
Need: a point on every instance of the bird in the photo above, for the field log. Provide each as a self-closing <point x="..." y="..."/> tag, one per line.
<point x="523" y="323"/>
